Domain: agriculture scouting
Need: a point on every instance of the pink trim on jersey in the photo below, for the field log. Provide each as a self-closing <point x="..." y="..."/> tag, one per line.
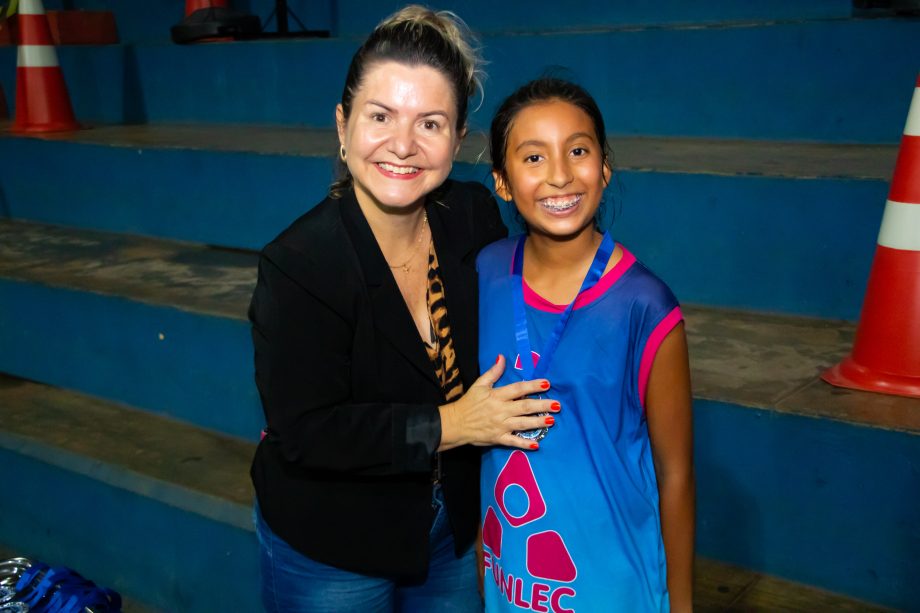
<point x="655" y="339"/>
<point x="535" y="300"/>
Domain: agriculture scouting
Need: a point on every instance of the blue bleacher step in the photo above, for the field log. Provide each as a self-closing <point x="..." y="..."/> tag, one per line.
<point x="844" y="80"/>
<point x="797" y="478"/>
<point x="159" y="510"/>
<point x="238" y="186"/>
<point x="141" y="488"/>
<point x="773" y="362"/>
<point x="113" y="315"/>
<point x="159" y="325"/>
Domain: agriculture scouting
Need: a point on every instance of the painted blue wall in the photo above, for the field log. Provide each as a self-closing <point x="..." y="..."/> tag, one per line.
<point x="358" y="17"/>
<point x="801" y="246"/>
<point x="837" y="81"/>
<point x="221" y="198"/>
<point x="352" y="17"/>
<point x="768" y="244"/>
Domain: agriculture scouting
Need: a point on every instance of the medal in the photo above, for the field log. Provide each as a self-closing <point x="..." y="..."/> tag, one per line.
<point x="521" y="335"/>
<point x="539" y="433"/>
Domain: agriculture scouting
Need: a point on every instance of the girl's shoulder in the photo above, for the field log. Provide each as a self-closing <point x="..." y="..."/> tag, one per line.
<point x="653" y="309"/>
<point x="644" y="285"/>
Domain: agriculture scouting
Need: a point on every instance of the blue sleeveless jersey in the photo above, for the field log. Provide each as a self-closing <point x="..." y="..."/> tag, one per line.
<point x="575" y="525"/>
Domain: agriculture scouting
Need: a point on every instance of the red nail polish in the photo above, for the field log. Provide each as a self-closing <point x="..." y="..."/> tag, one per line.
<point x="550" y="420"/>
<point x="497" y="359"/>
<point x="534" y="446"/>
<point x="555" y="406"/>
<point x="544" y="385"/>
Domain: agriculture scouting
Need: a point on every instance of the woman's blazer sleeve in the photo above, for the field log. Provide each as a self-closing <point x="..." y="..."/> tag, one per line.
<point x="303" y="344"/>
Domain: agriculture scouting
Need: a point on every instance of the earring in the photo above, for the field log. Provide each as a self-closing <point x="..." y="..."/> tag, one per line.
<point x="342" y="152"/>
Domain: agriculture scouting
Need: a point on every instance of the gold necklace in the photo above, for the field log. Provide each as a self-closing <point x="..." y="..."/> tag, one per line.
<point x="405" y="265"/>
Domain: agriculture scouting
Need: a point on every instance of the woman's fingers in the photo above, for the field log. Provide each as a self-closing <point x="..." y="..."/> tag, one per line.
<point x="523" y="424"/>
<point x="521" y="389"/>
<point x="513" y="440"/>
<point x="530" y="406"/>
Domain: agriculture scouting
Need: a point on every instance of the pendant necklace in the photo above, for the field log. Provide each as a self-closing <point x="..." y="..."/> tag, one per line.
<point x="405" y="265"/>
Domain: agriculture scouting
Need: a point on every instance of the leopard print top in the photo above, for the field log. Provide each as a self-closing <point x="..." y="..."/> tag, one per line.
<point x="441" y="349"/>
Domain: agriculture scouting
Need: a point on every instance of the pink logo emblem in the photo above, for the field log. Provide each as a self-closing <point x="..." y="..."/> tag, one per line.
<point x="548" y="557"/>
<point x="492" y="533"/>
<point x="517" y="472"/>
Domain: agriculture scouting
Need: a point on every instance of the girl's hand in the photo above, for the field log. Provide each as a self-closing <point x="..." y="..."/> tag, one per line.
<point x="487" y="415"/>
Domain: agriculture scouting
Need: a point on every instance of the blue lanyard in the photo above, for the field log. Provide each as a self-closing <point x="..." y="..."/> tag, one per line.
<point x="604" y="251"/>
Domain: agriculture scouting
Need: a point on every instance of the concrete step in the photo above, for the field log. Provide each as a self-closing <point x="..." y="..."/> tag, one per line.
<point x="153" y="324"/>
<point x="109" y="490"/>
<point x="139" y="320"/>
<point x="838" y="80"/>
<point x="189" y="281"/>
<point x="797" y="478"/>
<point x="156" y="509"/>
<point x="209" y="283"/>
<point x="774" y="362"/>
<point x="238" y="186"/>
<point x="725" y="588"/>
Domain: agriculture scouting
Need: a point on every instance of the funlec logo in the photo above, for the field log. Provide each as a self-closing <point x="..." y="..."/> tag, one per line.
<point x="547" y="557"/>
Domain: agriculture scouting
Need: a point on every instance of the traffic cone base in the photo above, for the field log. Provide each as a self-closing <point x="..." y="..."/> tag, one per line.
<point x="851" y="375"/>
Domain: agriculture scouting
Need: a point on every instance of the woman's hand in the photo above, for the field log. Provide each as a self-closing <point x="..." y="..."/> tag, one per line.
<point x="487" y="416"/>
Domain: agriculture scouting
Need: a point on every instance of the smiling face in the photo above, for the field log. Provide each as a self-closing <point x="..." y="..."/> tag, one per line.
<point x="401" y="137"/>
<point x="554" y="169"/>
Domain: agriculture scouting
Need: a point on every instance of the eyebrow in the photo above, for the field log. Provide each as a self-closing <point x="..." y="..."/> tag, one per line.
<point x="425" y="114"/>
<point x="530" y="143"/>
<point x="540" y="143"/>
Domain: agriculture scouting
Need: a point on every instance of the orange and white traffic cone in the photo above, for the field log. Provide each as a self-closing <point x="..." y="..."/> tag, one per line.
<point x="42" y="102"/>
<point x="886" y="352"/>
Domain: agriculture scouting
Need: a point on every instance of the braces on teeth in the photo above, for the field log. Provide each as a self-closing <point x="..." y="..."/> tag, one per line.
<point x="569" y="203"/>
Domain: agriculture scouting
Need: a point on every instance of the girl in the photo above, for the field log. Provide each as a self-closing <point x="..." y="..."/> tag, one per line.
<point x="601" y="517"/>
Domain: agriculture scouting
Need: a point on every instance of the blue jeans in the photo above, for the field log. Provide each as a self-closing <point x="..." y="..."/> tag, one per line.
<point x="294" y="583"/>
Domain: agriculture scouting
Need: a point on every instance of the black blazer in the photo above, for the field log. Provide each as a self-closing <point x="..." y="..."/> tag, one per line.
<point x="349" y="394"/>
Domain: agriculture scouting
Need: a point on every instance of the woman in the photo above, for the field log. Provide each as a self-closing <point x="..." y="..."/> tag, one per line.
<point x="365" y="333"/>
